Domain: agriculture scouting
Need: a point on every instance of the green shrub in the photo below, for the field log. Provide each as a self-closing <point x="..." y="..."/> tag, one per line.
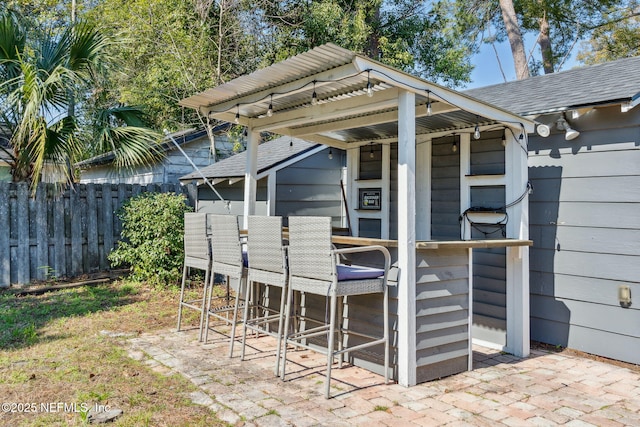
<point x="152" y="236"/>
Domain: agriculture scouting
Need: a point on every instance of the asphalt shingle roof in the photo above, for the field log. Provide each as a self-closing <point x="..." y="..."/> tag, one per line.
<point x="615" y="81"/>
<point x="270" y="154"/>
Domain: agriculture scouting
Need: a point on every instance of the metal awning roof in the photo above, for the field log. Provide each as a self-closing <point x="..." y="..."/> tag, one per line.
<point x="343" y="112"/>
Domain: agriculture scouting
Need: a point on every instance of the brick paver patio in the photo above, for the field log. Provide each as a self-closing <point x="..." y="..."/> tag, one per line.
<point x="545" y="389"/>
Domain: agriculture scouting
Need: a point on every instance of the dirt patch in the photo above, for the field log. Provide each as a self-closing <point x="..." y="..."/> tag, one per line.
<point x="63" y="353"/>
<point x="577" y="353"/>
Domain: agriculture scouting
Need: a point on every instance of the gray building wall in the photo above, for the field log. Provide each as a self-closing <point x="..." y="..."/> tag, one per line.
<point x="169" y="170"/>
<point x="585" y="225"/>
<point x="310" y="186"/>
<point x="233" y="195"/>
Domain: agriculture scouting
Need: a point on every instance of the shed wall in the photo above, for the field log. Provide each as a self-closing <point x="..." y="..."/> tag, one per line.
<point x="168" y="170"/>
<point x="312" y="187"/>
<point x="233" y="195"/>
<point x="585" y="225"/>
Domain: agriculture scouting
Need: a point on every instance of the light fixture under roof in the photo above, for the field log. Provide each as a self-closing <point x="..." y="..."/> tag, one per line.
<point x="314" y="96"/>
<point x="570" y="133"/>
<point x="369" y="85"/>
<point x="476" y="132"/>
<point x="270" y="109"/>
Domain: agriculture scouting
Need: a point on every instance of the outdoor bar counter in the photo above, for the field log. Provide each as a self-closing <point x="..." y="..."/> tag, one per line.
<point x="417" y="158"/>
<point x="442" y="305"/>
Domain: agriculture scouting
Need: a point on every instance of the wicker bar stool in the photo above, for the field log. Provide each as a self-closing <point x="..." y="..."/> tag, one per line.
<point x="228" y="260"/>
<point x="314" y="269"/>
<point x="197" y="254"/>
<point x="267" y="267"/>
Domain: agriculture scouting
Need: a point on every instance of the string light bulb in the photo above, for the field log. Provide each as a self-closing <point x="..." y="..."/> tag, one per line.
<point x="237" y="119"/>
<point x="369" y="86"/>
<point x="476" y="132"/>
<point x="314" y="96"/>
<point x="270" y="109"/>
<point x="330" y="154"/>
<point x="504" y="139"/>
<point x="290" y="144"/>
<point x="371" y="155"/>
<point x="429" y="110"/>
<point x="454" y="145"/>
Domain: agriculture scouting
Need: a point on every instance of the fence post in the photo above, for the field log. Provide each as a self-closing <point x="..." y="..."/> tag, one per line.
<point x="92" y="226"/>
<point x="107" y="224"/>
<point x="5" y="236"/>
<point x="75" y="218"/>
<point x="23" y="257"/>
<point x="59" y="236"/>
<point x="42" y="232"/>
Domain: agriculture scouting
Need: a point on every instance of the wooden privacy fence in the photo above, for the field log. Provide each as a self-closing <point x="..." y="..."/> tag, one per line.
<point x="63" y="234"/>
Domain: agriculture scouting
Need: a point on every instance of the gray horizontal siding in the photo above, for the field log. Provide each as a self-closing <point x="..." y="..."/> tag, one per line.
<point x="587" y="239"/>
<point x="585" y="225"/>
<point x="393" y="192"/>
<point x="487" y="155"/>
<point x="624" y="268"/>
<point x="597" y="163"/>
<point x="623" y="215"/>
<point x="588" y="189"/>
<point x="608" y="344"/>
<point x="593" y="290"/>
<point x="234" y="192"/>
<point x="442" y="310"/>
<point x="445" y="190"/>
<point x="311" y="187"/>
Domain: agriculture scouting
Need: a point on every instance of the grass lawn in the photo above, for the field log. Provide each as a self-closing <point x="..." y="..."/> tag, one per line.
<point x="63" y="352"/>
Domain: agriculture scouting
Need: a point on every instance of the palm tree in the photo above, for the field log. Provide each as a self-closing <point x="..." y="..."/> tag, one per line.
<point x="42" y="75"/>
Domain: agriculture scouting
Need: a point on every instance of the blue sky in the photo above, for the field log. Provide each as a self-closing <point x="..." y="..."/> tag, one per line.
<point x="487" y="70"/>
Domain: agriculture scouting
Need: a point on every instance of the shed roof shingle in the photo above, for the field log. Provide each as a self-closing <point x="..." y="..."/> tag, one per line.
<point x="611" y="82"/>
<point x="270" y="154"/>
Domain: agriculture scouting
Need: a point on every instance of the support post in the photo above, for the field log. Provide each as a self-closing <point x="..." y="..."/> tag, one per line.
<point x="518" y="334"/>
<point x="250" y="176"/>
<point x="406" y="240"/>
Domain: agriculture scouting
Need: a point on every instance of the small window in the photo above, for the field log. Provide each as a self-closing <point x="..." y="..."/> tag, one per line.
<point x="371" y="162"/>
<point x="369" y="228"/>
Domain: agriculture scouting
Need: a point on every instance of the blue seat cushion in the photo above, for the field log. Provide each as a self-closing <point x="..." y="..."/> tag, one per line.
<point x="357" y="272"/>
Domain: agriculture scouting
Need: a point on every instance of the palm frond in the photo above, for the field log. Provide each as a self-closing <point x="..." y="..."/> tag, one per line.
<point x="13" y="37"/>
<point x="130" y="115"/>
<point x="133" y="145"/>
<point x="88" y="50"/>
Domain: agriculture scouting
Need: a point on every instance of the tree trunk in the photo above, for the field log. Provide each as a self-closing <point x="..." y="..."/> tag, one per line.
<point x="515" y="39"/>
<point x="218" y="80"/>
<point x="545" y="46"/>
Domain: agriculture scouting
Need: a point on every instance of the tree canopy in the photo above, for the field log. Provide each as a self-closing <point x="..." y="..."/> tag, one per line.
<point x="618" y="37"/>
<point x="45" y="73"/>
<point x="556" y="25"/>
<point x="167" y="50"/>
<point x="416" y="36"/>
